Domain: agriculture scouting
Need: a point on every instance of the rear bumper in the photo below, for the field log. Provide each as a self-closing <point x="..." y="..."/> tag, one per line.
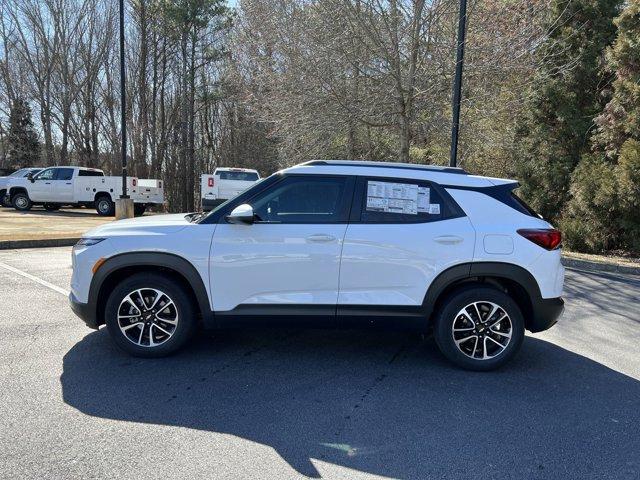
<point x="85" y="311"/>
<point x="545" y="314"/>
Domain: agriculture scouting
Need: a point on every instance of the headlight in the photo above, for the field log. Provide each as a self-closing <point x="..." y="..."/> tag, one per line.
<point x="88" y="241"/>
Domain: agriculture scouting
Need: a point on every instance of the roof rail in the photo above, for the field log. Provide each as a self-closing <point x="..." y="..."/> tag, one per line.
<point x="402" y="166"/>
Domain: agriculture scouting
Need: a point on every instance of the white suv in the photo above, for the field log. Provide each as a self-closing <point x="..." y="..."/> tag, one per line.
<point x="336" y="244"/>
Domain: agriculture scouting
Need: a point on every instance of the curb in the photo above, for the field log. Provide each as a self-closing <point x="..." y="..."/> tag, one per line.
<point x="38" y="243"/>
<point x="592" y="266"/>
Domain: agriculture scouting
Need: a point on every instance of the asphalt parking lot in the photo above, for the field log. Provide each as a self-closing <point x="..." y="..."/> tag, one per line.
<point x="331" y="404"/>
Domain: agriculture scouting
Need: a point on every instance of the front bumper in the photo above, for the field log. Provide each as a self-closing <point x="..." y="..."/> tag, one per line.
<point x="85" y="311"/>
<point x="545" y="314"/>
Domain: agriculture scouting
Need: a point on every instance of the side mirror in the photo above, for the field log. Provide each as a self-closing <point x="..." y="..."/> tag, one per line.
<point x="30" y="177"/>
<point x="241" y="214"/>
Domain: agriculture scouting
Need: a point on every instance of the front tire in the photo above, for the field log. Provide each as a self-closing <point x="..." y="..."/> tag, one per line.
<point x="148" y="315"/>
<point x="21" y="202"/>
<point x="479" y="328"/>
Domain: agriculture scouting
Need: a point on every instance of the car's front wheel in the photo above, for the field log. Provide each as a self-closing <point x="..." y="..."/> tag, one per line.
<point x="148" y="315"/>
<point x="479" y="328"/>
<point x="21" y="202"/>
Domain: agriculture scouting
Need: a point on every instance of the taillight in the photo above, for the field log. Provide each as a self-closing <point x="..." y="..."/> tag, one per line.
<point x="210" y="181"/>
<point x="134" y="181"/>
<point x="547" y="238"/>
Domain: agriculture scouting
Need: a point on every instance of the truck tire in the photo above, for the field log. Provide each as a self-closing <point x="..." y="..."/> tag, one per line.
<point x="51" y="207"/>
<point x="138" y="209"/>
<point x="104" y="206"/>
<point x="21" y="202"/>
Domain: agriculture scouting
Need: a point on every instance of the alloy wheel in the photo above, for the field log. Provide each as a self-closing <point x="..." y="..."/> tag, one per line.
<point x="147" y="317"/>
<point x="482" y="330"/>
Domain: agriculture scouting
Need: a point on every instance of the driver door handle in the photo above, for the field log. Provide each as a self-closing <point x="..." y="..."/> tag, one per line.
<point x="320" y="237"/>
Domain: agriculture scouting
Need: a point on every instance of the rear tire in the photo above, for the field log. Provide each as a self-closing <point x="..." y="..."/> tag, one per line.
<point x="149" y="315"/>
<point x="105" y="207"/>
<point x="139" y="209"/>
<point x="21" y="202"/>
<point x="51" y="207"/>
<point x="479" y="328"/>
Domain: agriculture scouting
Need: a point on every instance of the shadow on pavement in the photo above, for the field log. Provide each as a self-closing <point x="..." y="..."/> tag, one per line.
<point x="382" y="403"/>
<point x="74" y="213"/>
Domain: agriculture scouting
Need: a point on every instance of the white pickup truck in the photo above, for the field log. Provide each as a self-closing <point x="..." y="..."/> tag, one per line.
<point x="225" y="183"/>
<point x="59" y="186"/>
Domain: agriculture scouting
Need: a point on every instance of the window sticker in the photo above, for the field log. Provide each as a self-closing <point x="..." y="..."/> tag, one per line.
<point x="434" y="209"/>
<point x="424" y="199"/>
<point x="391" y="197"/>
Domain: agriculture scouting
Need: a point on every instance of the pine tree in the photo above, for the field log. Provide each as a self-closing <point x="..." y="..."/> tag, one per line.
<point x="23" y="147"/>
<point x="565" y="98"/>
<point x="620" y="119"/>
<point x="604" y="211"/>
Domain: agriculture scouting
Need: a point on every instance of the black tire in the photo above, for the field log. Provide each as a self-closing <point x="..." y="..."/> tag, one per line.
<point x="4" y="201"/>
<point x="51" y="207"/>
<point x="139" y="209"/>
<point x="21" y="202"/>
<point x="104" y="206"/>
<point x="167" y="344"/>
<point x="469" y="354"/>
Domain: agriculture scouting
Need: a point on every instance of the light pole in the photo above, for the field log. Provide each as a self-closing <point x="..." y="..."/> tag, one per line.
<point x="124" y="205"/>
<point x="457" y="84"/>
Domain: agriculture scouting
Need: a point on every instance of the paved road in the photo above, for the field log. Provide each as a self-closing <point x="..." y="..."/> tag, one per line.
<point x="289" y="404"/>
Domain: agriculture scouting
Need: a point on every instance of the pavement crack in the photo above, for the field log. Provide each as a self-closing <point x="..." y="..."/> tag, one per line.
<point x="395" y="356"/>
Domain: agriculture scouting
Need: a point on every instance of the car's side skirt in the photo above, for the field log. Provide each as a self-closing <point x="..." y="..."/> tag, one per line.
<point x="396" y="317"/>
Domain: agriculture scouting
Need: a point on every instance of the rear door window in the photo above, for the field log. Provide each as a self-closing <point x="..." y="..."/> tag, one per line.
<point x="399" y="200"/>
<point x="90" y="173"/>
<point x="64" y="174"/>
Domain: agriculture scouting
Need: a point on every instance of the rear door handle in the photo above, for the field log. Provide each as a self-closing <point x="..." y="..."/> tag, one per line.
<point x="449" y="239"/>
<point x="320" y="237"/>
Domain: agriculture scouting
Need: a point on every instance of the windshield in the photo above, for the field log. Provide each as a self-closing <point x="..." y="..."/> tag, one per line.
<point x="242" y="176"/>
<point x="20" y="173"/>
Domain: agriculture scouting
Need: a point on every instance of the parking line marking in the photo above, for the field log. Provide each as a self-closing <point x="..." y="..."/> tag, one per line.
<point x="44" y="283"/>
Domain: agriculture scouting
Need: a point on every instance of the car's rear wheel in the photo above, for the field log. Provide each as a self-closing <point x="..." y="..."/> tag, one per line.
<point x="479" y="328"/>
<point x="150" y="316"/>
<point x="105" y="207"/>
<point x="139" y="209"/>
<point x="21" y="202"/>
